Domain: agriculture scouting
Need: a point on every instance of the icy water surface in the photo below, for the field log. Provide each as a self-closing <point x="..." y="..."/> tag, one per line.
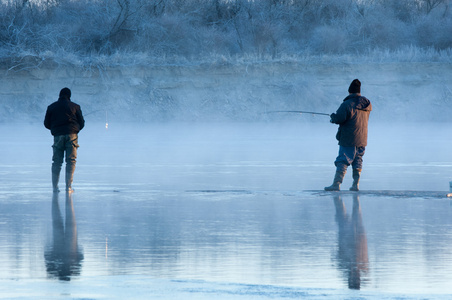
<point x="236" y="211"/>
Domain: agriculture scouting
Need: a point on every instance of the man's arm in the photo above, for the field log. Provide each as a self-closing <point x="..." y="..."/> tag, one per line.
<point x="80" y="119"/>
<point x="341" y="115"/>
<point x="47" y="119"/>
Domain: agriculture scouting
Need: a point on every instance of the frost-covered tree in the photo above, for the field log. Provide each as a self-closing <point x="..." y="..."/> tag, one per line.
<point x="195" y="29"/>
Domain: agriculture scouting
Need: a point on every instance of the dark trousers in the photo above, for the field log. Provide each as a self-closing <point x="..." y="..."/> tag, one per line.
<point x="64" y="146"/>
<point x="349" y="156"/>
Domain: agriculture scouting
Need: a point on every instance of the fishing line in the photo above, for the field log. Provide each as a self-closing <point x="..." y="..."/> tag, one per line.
<point x="298" y="112"/>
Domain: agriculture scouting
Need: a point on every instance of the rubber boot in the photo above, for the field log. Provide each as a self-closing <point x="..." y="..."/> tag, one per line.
<point x="55" y="178"/>
<point x="356" y="176"/>
<point x="69" y="177"/>
<point x="336" y="186"/>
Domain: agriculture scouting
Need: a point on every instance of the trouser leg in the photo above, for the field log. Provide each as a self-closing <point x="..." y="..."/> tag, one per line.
<point x="57" y="161"/>
<point x="357" y="162"/>
<point x="71" y="156"/>
<point x="357" y="166"/>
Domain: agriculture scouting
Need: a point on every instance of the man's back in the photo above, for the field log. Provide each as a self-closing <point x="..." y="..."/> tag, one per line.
<point x="64" y="117"/>
<point x="353" y="117"/>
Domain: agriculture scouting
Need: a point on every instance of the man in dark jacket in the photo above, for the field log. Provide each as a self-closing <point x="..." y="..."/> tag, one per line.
<point x="64" y="119"/>
<point x="352" y="117"/>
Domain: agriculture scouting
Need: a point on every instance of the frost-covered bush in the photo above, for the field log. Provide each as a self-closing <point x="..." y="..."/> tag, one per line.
<point x="197" y="29"/>
<point x="434" y="31"/>
<point x="387" y="33"/>
<point x="329" y="39"/>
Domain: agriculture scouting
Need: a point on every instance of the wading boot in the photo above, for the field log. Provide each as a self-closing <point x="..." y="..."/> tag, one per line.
<point x="55" y="178"/>
<point x="356" y="176"/>
<point x="336" y="186"/>
<point x="69" y="176"/>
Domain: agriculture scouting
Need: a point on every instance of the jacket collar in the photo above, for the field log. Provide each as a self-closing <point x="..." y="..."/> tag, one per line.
<point x="354" y="95"/>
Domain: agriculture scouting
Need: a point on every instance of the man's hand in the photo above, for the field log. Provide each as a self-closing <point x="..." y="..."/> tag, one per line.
<point x="331" y="118"/>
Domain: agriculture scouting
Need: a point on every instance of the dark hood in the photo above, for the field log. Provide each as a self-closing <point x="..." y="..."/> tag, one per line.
<point x="360" y="102"/>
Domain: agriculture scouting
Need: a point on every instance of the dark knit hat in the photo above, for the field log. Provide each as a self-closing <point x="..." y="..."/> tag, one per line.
<point x="355" y="87"/>
<point x="65" y="93"/>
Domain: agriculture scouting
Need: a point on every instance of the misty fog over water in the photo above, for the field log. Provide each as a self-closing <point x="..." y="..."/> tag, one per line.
<point x="406" y="92"/>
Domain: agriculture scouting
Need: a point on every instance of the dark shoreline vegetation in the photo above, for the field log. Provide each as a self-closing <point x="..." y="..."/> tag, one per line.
<point x="117" y="32"/>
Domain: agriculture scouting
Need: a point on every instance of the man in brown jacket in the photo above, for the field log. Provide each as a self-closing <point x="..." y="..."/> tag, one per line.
<point x="352" y="117"/>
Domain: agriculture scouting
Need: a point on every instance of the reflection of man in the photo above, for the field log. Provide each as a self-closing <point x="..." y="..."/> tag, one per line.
<point x="64" y="257"/>
<point x="352" y="251"/>
<point x="352" y="117"/>
<point x="64" y="119"/>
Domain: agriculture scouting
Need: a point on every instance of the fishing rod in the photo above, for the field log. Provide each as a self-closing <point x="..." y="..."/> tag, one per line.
<point x="99" y="110"/>
<point x="92" y="112"/>
<point x="298" y="112"/>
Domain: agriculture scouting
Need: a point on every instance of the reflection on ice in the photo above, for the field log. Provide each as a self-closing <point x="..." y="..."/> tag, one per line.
<point x="225" y="210"/>
<point x="63" y="257"/>
<point x="352" y="245"/>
